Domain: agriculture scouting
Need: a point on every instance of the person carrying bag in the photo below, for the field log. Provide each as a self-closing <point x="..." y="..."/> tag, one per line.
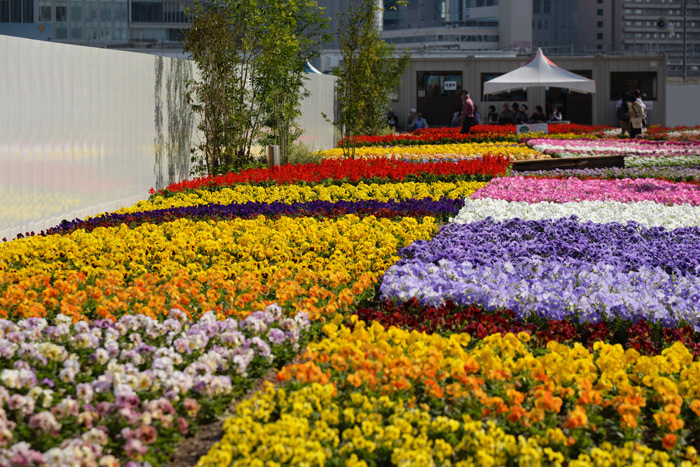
<point x="637" y="115"/>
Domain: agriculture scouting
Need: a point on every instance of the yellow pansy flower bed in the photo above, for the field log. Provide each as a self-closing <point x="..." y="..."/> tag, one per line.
<point x="375" y="395"/>
<point x="231" y="267"/>
<point x="439" y="152"/>
<point x="293" y="193"/>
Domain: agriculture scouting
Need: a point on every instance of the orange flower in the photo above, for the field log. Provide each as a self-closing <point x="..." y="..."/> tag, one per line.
<point x="695" y="406"/>
<point x="516" y="413"/>
<point x="669" y="441"/>
<point x="577" y="418"/>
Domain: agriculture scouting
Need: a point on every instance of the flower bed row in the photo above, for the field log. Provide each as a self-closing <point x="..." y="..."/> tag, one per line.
<point x="674" y="174"/>
<point x="231" y="267"/>
<point x="450" y="318"/>
<point x="440" y="152"/>
<point x="353" y="171"/>
<point x="106" y="392"/>
<point x="537" y="190"/>
<point x="478" y="133"/>
<point x="374" y="396"/>
<point x="441" y="209"/>
<point x="289" y="194"/>
<point x="612" y="147"/>
<point x="556" y="269"/>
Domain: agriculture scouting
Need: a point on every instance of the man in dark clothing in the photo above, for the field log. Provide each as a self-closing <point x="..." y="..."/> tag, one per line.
<point x="467" y="112"/>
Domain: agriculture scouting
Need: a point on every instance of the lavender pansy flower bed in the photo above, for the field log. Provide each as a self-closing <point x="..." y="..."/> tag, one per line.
<point x="105" y="392"/>
<point x="556" y="269"/>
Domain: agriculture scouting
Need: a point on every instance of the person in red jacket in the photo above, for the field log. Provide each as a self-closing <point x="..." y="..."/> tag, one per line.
<point x="467" y="112"/>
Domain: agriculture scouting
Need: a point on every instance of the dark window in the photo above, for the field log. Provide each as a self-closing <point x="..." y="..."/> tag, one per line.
<point x="599" y="35"/>
<point x="45" y="13"/>
<point x="547" y="6"/>
<point x="512" y="95"/>
<point x="16" y="11"/>
<point x="61" y="14"/>
<point x="142" y="12"/>
<point x="622" y="81"/>
<point x="599" y="12"/>
<point x="176" y="35"/>
<point x="439" y="84"/>
<point x="600" y="24"/>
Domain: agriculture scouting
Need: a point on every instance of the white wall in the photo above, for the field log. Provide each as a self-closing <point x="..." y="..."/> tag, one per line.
<point x="681" y="105"/>
<point x="86" y="130"/>
<point x="319" y="133"/>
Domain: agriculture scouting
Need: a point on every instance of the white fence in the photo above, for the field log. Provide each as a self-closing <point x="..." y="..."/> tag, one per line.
<point x="86" y="130"/>
<point x="682" y="105"/>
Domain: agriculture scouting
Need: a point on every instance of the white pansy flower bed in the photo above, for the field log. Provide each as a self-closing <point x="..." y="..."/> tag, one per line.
<point x="647" y="213"/>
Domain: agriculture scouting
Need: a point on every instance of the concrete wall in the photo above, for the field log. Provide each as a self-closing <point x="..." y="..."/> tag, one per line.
<point x="86" y="130"/>
<point x="681" y="105"/>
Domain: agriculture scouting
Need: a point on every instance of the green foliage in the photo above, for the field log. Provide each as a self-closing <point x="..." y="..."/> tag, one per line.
<point x="299" y="153"/>
<point x="370" y="71"/>
<point x="251" y="56"/>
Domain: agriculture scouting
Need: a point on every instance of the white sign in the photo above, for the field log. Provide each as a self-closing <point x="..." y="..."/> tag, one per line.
<point x="532" y="128"/>
<point x="540" y="128"/>
<point x="450" y="85"/>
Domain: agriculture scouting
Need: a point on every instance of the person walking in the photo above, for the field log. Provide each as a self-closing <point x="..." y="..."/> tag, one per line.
<point x="637" y="114"/>
<point x="623" y="116"/>
<point x="467" y="112"/>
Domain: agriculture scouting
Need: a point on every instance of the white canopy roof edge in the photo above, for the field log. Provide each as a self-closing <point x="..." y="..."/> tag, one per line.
<point x="539" y="71"/>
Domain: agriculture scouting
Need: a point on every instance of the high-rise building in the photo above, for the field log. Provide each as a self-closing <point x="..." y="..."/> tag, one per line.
<point x="97" y="22"/>
<point x="636" y="27"/>
<point x="555" y="25"/>
<point x="473" y="25"/>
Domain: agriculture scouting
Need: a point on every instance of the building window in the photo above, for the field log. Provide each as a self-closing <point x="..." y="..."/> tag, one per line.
<point x="146" y="12"/>
<point x="16" y="11"/>
<point x="547" y="6"/>
<point x="622" y="81"/>
<point x="599" y="12"/>
<point x="599" y="36"/>
<point x="439" y="83"/>
<point x="512" y="95"/>
<point x="599" y="24"/>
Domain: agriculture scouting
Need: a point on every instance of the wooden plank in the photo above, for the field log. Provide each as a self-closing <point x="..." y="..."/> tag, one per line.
<point x="569" y="163"/>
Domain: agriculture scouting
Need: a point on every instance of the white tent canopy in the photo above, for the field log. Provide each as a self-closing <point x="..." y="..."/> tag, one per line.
<point x="539" y="71"/>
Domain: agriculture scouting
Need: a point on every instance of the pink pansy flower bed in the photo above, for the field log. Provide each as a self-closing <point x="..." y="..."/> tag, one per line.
<point x="614" y="147"/>
<point x="534" y="190"/>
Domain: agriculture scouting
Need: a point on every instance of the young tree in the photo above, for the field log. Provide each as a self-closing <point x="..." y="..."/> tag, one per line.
<point x="369" y="72"/>
<point x="251" y="55"/>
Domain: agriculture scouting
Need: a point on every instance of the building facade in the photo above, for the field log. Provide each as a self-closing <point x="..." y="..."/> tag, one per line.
<point x="432" y="86"/>
<point x="97" y="22"/>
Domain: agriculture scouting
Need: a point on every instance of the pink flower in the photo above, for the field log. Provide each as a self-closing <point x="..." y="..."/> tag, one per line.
<point x="135" y="448"/>
<point x="147" y="434"/>
<point x="44" y="421"/>
<point x="182" y="424"/>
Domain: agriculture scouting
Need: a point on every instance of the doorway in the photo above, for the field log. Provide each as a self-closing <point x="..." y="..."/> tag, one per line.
<point x="575" y="107"/>
<point x="438" y="95"/>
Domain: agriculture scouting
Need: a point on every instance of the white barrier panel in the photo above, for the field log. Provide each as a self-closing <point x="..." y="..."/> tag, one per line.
<point x="86" y="130"/>
<point x="319" y="133"/>
<point x="680" y="105"/>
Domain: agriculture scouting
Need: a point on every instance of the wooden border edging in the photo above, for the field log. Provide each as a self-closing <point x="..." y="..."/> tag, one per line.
<point x="569" y="163"/>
